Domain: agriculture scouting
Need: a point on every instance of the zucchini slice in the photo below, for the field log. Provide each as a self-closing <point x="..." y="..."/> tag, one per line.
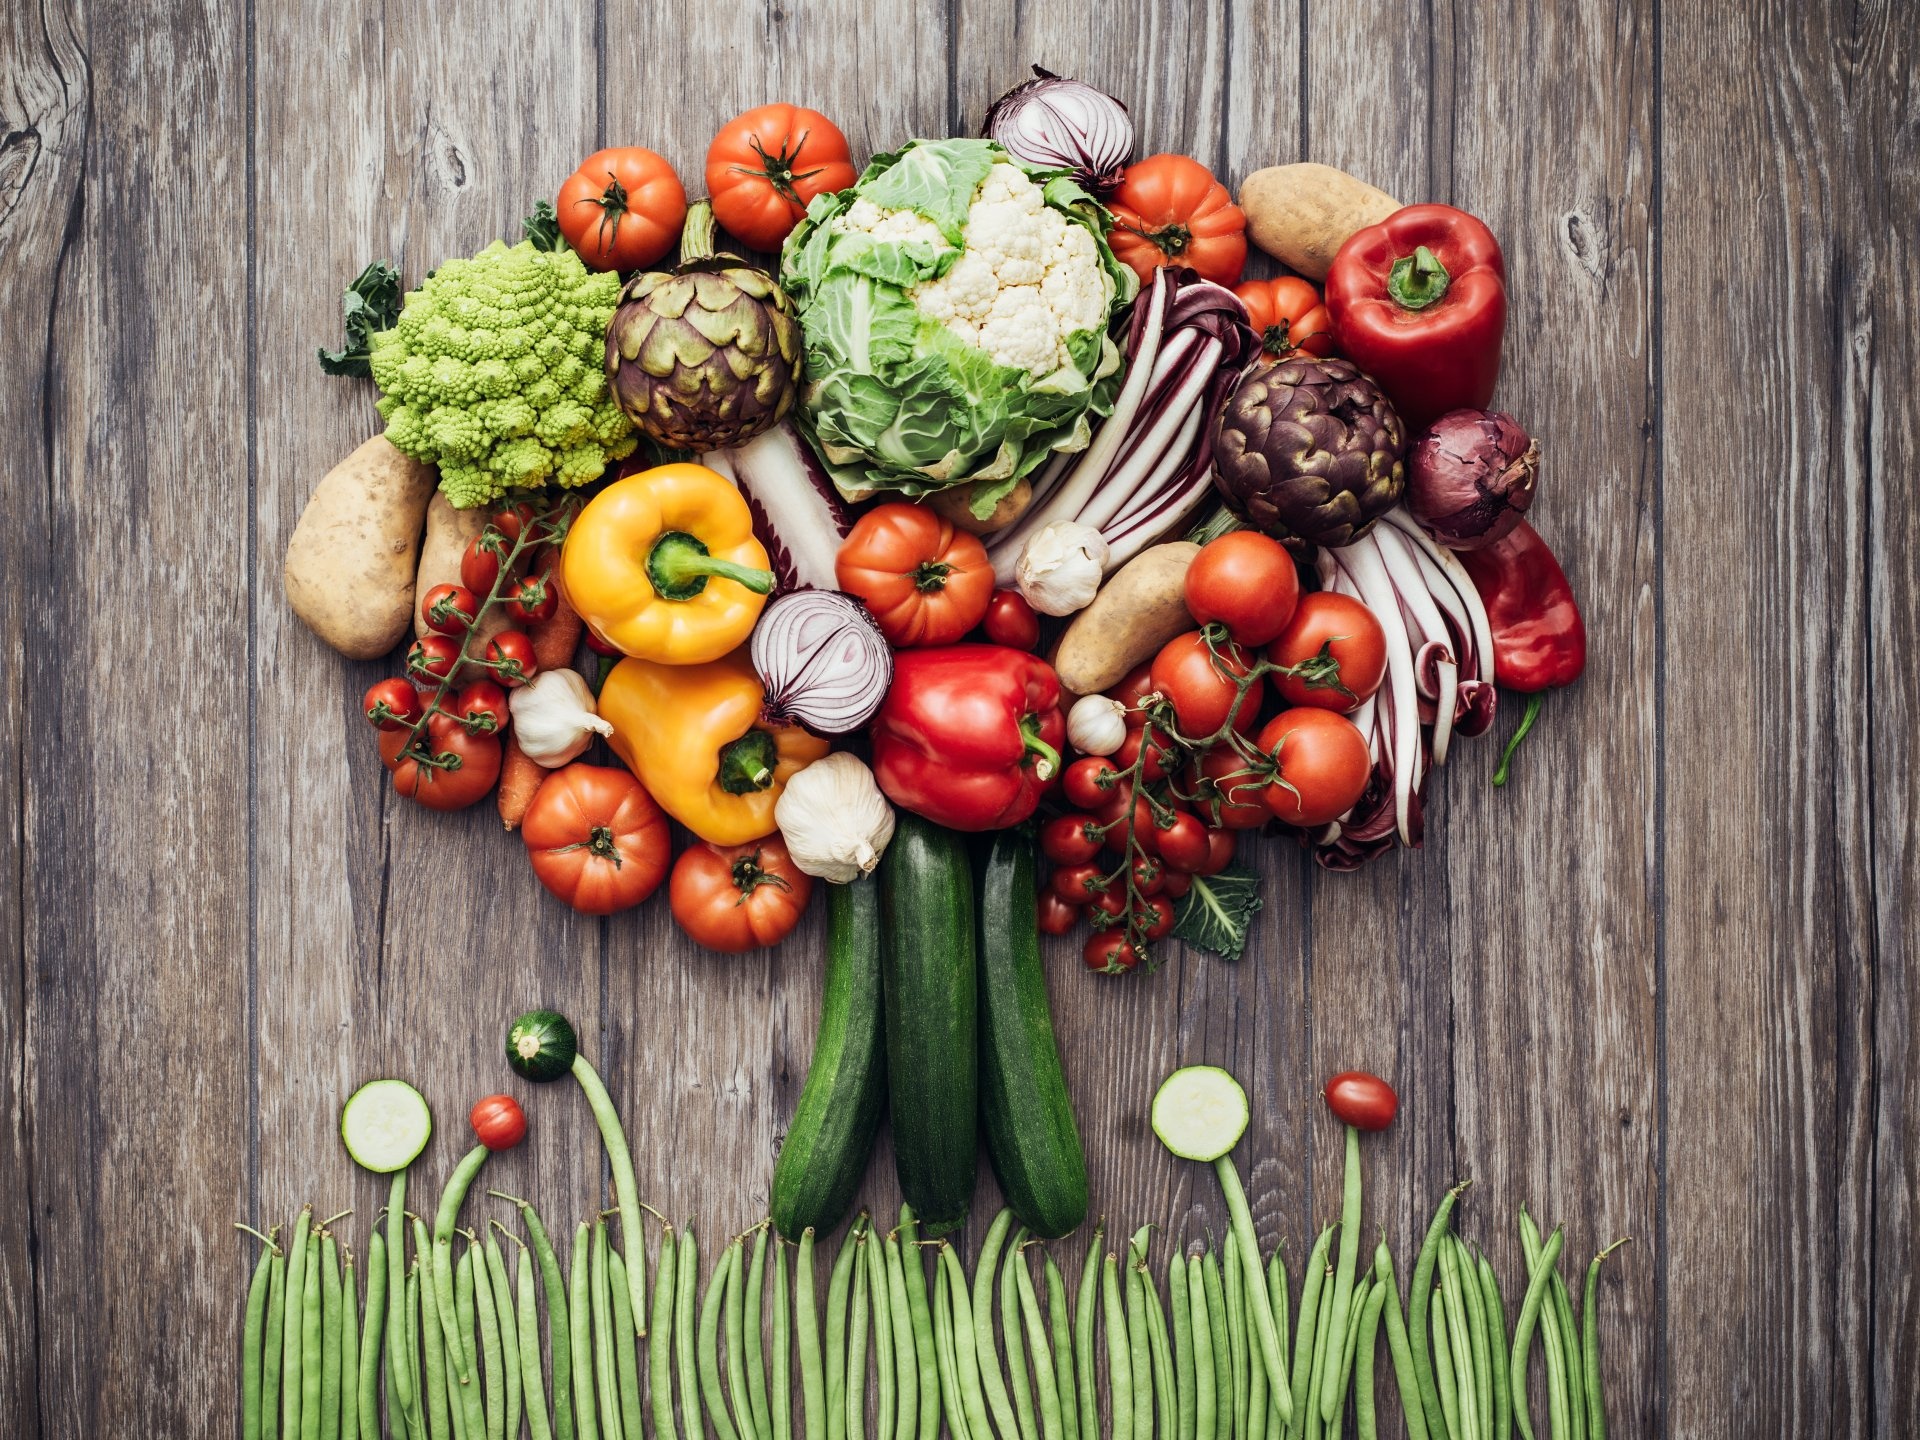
<point x="541" y="1045"/>
<point x="384" y="1124"/>
<point x="1200" y="1112"/>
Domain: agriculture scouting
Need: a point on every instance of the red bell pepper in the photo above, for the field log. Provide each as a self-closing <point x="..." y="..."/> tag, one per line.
<point x="1539" y="639"/>
<point x="969" y="735"/>
<point x="1419" y="302"/>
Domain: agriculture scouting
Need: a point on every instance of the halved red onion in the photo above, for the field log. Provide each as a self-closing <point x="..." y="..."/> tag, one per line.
<point x="1059" y="124"/>
<point x="824" y="662"/>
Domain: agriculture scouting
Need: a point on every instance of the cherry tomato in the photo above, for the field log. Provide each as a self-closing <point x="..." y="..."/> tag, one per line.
<point x="1133" y="688"/>
<point x="392" y="704"/>
<point x="1338" y="647"/>
<point x="1160" y="754"/>
<point x="480" y="562"/>
<point x="1240" y="791"/>
<point x="499" y="1122"/>
<point x="596" y="839"/>
<point x="1114" y="815"/>
<point x="1220" y="847"/>
<point x="1148" y="875"/>
<point x="1323" y="764"/>
<point x="1010" y="621"/>
<point x="1108" y="952"/>
<point x="1202" y="688"/>
<point x="622" y="209"/>
<point x="1176" y="883"/>
<point x="463" y="768"/>
<point x="449" y="609"/>
<point x="534" y="598"/>
<point x="1363" y="1101"/>
<point x="510" y="522"/>
<point x="510" y="654"/>
<point x="1056" y="916"/>
<point x="1183" y="844"/>
<point x="432" y="657"/>
<point x="738" y="897"/>
<point x="1111" y="902"/>
<point x="1247" y="582"/>
<point x="1156" y="916"/>
<point x="1089" y="783"/>
<point x="1071" y="839"/>
<point x="1076" y="884"/>
<point x="602" y="647"/>
<point x="482" y="707"/>
<point x="764" y="166"/>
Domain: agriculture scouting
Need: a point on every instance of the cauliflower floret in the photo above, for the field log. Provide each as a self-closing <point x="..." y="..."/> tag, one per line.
<point x="901" y="227"/>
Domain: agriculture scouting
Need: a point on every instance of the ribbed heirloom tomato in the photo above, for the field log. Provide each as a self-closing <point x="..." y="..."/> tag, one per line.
<point x="596" y="838"/>
<point x="1289" y="314"/>
<point x="738" y="897"/>
<point x="1169" y="210"/>
<point x="926" y="582"/>
<point x="622" y="209"/>
<point x="765" y="165"/>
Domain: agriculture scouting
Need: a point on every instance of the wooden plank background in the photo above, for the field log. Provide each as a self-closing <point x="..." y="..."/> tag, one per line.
<point x="1662" y="985"/>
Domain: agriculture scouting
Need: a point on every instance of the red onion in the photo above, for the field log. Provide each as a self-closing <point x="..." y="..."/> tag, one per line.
<point x="824" y="662"/>
<point x="1470" y="477"/>
<point x="1060" y="124"/>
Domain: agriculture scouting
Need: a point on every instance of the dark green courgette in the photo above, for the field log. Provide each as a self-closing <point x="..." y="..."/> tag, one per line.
<point x="825" y="1153"/>
<point x="929" y="978"/>
<point x="541" y="1045"/>
<point x="1032" y="1139"/>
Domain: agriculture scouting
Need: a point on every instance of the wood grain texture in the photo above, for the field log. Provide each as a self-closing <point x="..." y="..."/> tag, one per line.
<point x="1663" y="983"/>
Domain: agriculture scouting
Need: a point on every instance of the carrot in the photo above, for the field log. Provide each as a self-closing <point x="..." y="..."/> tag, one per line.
<point x="556" y="637"/>
<point x="520" y="777"/>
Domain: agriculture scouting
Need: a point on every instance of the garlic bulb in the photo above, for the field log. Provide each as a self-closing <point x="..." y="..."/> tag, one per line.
<point x="1060" y="568"/>
<point x="834" y="818"/>
<point x="553" y="717"/>
<point x="1097" y="725"/>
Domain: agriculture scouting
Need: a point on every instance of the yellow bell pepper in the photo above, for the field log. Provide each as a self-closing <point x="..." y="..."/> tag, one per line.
<point x="663" y="565"/>
<point x="698" y="738"/>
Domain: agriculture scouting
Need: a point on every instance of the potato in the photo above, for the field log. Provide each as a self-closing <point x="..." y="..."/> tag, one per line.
<point x="449" y="531"/>
<point x="954" y="505"/>
<point x="1302" y="214"/>
<point x="1141" y="607"/>
<point x="350" y="564"/>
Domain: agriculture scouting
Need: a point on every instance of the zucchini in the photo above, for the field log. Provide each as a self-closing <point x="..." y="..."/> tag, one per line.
<point x="1032" y="1139"/>
<point x="824" y="1156"/>
<point x="384" y="1125"/>
<point x="928" y="978"/>
<point x="541" y="1045"/>
<point x="1200" y="1112"/>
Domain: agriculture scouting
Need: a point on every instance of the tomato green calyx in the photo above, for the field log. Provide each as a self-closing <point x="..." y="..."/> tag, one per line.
<point x="1046" y="759"/>
<point x="1417" y="280"/>
<point x="930" y="576"/>
<point x="749" y="876"/>
<point x="1172" y="240"/>
<point x="679" y="566"/>
<point x="599" y="842"/>
<point x="1321" y="670"/>
<point x="612" y="202"/>
<point x="1275" y="339"/>
<point x="746" y="764"/>
<point x="777" y="169"/>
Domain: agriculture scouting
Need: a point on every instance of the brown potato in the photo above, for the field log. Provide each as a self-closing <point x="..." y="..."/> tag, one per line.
<point x="1141" y="607"/>
<point x="954" y="505"/>
<point x="350" y="563"/>
<point x="1302" y="214"/>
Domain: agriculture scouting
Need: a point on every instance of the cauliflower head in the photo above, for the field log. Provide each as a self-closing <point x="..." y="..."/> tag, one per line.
<point x="495" y="372"/>
<point x="956" y="310"/>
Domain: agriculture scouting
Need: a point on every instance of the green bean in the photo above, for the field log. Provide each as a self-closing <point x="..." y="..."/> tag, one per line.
<point x="859" y="1319"/>
<point x="586" y="1411"/>
<point x="1478" y="1338"/>
<point x="1181" y="1309"/>
<point x="813" y="1384"/>
<point x="993" y="1384"/>
<point x="884" y="1366"/>
<point x="1160" y="1352"/>
<point x="1364" y="1417"/>
<point x="606" y="1380"/>
<point x="1325" y="1351"/>
<point x="403" y="1385"/>
<point x="273" y="1346"/>
<point x="312" y="1347"/>
<point x="557" y="1327"/>
<point x="492" y="1346"/>
<point x="463" y="1427"/>
<point x="1590" y="1344"/>
<point x="1205" y="1394"/>
<point x="1216" y="1297"/>
<point x="782" y="1396"/>
<point x="1018" y="1385"/>
<point x="373" y="1341"/>
<point x="973" y="1398"/>
<point x="432" y="1348"/>
<point x="1119" y="1355"/>
<point x="839" y="1294"/>
<point x="503" y="1319"/>
<point x="660" y="1338"/>
<point x="1086" y="1318"/>
<point x="1418" y="1312"/>
<point x="1312" y="1282"/>
<point x="1495" y="1312"/>
<point x="1266" y="1338"/>
<point x="926" y="1357"/>
<point x="949" y="1361"/>
<point x="1139" y="1346"/>
<point x="1443" y="1368"/>
<point x="1523" y="1329"/>
<point x="686" y="1281"/>
<point x="466" y="1309"/>
<point x="253" y="1338"/>
<point x="906" y="1353"/>
<point x="444" y="1220"/>
<point x="1460" y="1336"/>
<point x="736" y="1333"/>
<point x="1060" y="1327"/>
<point x="349" y="1417"/>
<point x="1045" y="1380"/>
<point x="1349" y="1257"/>
<point x="293" y="1340"/>
<point x="1234" y="1284"/>
<point x="533" y="1388"/>
<point x="1277" y="1295"/>
<point x="1258" y="1399"/>
<point x="1412" y="1411"/>
<point x="1349" y="1344"/>
<point x="756" y="1359"/>
<point x="1576" y="1383"/>
<point x="711" y="1305"/>
<point x="613" y="1137"/>
<point x="626" y="1362"/>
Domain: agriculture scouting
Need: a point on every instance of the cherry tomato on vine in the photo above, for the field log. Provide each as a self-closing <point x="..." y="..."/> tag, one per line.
<point x="1134" y="687"/>
<point x="482" y="706"/>
<point x="1112" y="902"/>
<point x="1220" y="847"/>
<point x="480" y="562"/>
<point x="1183" y="844"/>
<point x="1109" y="952"/>
<point x="1070" y="839"/>
<point x="1076" y="884"/>
<point x="1247" y="581"/>
<point x="1175" y="884"/>
<point x="1202" y="687"/>
<point x="449" y="609"/>
<point x="1321" y="765"/>
<point x="499" y="1122"/>
<point x="1056" y="916"/>
<point x="1114" y="813"/>
<point x="1156" y="916"/>
<point x="392" y="704"/>
<point x="738" y="897"/>
<point x="1339" y="648"/>
<point x="1088" y="784"/>
<point x="1240" y="791"/>
<point x="534" y="598"/>
<point x="1363" y="1101"/>
<point x="1149" y="875"/>
<point x="432" y="657"/>
<point x="463" y="768"/>
<point x="622" y="209"/>
<point x="511" y="654"/>
<point x="765" y="165"/>
<point x="1010" y="621"/>
<point x="1160" y="754"/>
<point x="510" y="522"/>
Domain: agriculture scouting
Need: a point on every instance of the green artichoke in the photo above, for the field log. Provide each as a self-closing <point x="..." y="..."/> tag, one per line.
<point x="707" y="354"/>
<point x="1309" y="449"/>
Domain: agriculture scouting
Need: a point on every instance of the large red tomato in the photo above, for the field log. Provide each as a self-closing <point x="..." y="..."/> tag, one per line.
<point x="1323" y="765"/>
<point x="738" y="897"/>
<point x="925" y="582"/>
<point x="1169" y="210"/>
<point x="622" y="209"/>
<point x="764" y="166"/>
<point x="1247" y="581"/>
<point x="1202" y="683"/>
<point x="1289" y="314"/>
<point x="463" y="767"/>
<point x="1339" y="649"/>
<point x="596" y="838"/>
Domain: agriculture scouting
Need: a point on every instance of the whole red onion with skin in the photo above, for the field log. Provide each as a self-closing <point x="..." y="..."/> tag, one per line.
<point x="1471" y="476"/>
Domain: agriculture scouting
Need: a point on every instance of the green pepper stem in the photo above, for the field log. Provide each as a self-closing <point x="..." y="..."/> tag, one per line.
<point x="679" y="567"/>
<point x="1527" y="718"/>
<point x="1046" y="762"/>
<point x="746" y="764"/>
<point x="1417" y="280"/>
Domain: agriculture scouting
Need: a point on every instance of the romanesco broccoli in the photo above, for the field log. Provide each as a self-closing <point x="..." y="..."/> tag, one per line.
<point x="495" y="373"/>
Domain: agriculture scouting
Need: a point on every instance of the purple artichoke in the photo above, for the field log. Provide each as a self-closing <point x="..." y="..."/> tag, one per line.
<point x="1309" y="450"/>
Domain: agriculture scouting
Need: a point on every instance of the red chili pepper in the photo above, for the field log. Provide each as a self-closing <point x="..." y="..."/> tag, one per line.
<point x="1419" y="302"/>
<point x="969" y="735"/>
<point x="1539" y="639"/>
